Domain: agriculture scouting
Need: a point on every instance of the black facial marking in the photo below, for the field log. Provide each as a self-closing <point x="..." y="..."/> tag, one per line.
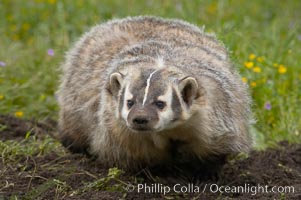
<point x="176" y="105"/>
<point x="138" y="87"/>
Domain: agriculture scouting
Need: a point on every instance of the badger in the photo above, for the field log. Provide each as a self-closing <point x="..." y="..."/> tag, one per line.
<point x="143" y="91"/>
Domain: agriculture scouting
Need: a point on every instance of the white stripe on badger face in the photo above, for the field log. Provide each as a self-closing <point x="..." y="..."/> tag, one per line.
<point x="125" y="110"/>
<point x="160" y="65"/>
<point x="147" y="86"/>
<point x="166" y="115"/>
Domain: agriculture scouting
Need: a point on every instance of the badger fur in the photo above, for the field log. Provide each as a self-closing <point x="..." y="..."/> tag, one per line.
<point x="132" y="88"/>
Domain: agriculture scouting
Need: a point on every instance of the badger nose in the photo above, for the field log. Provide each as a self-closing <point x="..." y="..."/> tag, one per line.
<point x="140" y="120"/>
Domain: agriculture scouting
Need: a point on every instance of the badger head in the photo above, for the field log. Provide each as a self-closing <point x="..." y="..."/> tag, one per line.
<point x="153" y="99"/>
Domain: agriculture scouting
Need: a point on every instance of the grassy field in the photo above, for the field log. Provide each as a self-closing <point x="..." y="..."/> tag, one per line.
<point x="263" y="36"/>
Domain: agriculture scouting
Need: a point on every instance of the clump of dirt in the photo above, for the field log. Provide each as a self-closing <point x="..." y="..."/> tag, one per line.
<point x="271" y="174"/>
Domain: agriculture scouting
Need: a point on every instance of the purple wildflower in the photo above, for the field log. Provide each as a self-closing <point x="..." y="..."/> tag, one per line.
<point x="2" y="64"/>
<point x="50" y="52"/>
<point x="267" y="106"/>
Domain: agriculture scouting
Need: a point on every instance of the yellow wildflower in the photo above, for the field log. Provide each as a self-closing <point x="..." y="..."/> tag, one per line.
<point x="19" y="114"/>
<point x="249" y="65"/>
<point x="260" y="59"/>
<point x="51" y="1"/>
<point x="282" y="69"/>
<point x="244" y="79"/>
<point x="257" y="69"/>
<point x="253" y="84"/>
<point x="25" y="26"/>
<point x="1" y="96"/>
<point x="252" y="56"/>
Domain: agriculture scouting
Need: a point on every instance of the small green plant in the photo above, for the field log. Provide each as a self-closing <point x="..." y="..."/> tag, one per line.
<point x="111" y="182"/>
<point x="61" y="187"/>
<point x="12" y="151"/>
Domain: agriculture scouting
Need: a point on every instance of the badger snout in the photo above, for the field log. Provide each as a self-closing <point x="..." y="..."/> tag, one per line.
<point x="141" y="123"/>
<point x="141" y="120"/>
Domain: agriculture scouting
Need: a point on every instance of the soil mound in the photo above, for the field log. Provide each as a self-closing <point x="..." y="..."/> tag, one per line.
<point x="271" y="174"/>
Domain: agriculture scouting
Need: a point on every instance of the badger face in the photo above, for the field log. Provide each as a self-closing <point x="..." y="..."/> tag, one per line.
<point x="151" y="100"/>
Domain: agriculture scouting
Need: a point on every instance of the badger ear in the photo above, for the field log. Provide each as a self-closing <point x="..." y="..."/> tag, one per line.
<point x="116" y="80"/>
<point x="188" y="88"/>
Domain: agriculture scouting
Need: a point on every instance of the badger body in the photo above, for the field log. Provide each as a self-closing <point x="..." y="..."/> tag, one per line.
<point x="134" y="91"/>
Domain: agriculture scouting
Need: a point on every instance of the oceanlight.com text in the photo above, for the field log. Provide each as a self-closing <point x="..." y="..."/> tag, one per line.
<point x="158" y="188"/>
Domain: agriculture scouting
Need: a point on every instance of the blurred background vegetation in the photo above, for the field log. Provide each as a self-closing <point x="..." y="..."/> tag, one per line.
<point x="263" y="36"/>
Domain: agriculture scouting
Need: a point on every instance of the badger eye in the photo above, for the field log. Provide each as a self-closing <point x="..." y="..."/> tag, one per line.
<point x="160" y="104"/>
<point x="130" y="103"/>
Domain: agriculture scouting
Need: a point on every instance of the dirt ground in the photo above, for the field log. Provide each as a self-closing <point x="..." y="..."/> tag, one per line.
<point x="74" y="176"/>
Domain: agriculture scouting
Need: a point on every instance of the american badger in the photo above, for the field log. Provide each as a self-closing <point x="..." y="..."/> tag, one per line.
<point x="134" y="91"/>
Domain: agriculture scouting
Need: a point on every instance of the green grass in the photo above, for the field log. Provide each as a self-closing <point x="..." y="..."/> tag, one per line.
<point x="266" y="28"/>
<point x="13" y="151"/>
